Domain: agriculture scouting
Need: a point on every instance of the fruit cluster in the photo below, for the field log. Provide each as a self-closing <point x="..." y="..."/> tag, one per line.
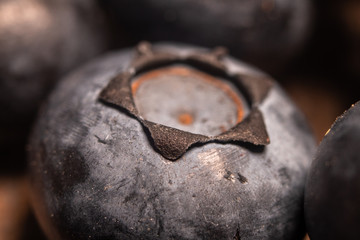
<point x="173" y="137"/>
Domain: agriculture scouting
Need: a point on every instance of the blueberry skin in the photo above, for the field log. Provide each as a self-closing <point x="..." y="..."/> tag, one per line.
<point x="44" y="40"/>
<point x="253" y="30"/>
<point x="39" y="42"/>
<point x="332" y="194"/>
<point x="95" y="175"/>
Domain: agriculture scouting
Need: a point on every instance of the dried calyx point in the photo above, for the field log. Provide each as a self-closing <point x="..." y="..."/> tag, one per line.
<point x="170" y="142"/>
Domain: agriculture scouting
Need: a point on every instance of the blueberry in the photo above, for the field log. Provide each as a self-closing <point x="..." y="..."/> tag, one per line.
<point x="256" y="31"/>
<point x="332" y="193"/>
<point x="169" y="142"/>
<point x="39" y="42"/>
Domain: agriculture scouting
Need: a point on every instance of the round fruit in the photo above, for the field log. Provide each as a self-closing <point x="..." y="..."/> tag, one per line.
<point x="332" y="193"/>
<point x="170" y="142"/>
<point x="255" y="30"/>
<point x="39" y="41"/>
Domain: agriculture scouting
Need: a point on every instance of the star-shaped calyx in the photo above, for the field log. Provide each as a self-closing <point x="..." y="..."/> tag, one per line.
<point x="172" y="142"/>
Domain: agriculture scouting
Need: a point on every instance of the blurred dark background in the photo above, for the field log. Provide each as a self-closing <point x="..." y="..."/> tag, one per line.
<point x="324" y="79"/>
<point x="319" y="67"/>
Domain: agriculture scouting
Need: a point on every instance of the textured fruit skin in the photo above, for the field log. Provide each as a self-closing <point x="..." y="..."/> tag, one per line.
<point x="253" y="30"/>
<point x="95" y="173"/>
<point x="39" y="42"/>
<point x="332" y="195"/>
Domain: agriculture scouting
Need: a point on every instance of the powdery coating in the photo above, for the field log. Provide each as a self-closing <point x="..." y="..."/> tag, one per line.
<point x="96" y="174"/>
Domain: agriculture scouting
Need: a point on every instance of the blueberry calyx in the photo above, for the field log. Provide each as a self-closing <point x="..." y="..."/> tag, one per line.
<point x="170" y="142"/>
